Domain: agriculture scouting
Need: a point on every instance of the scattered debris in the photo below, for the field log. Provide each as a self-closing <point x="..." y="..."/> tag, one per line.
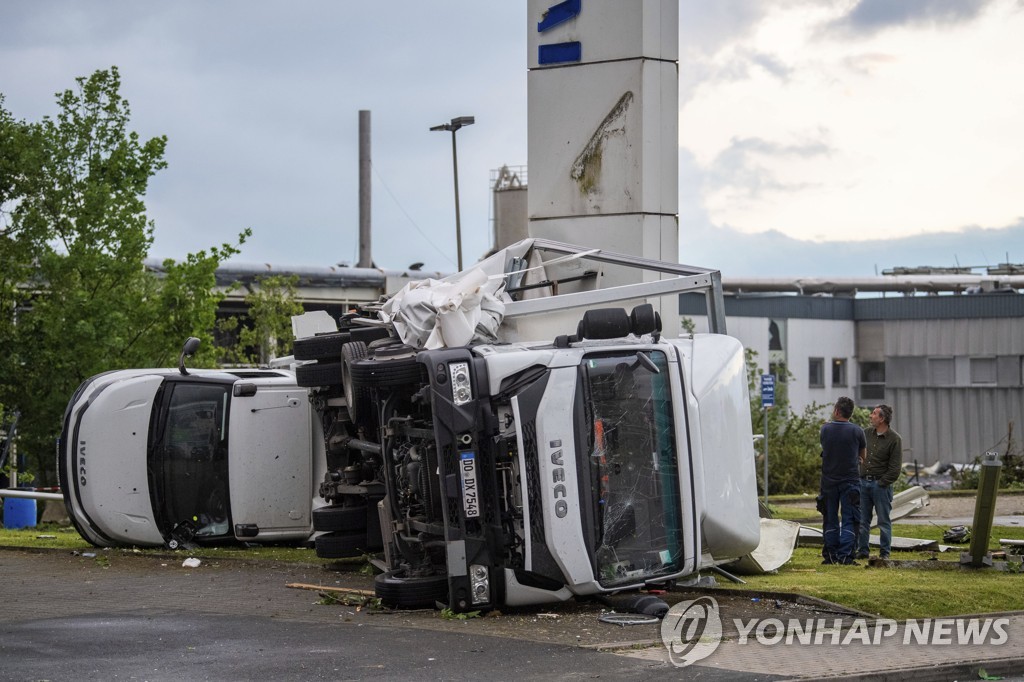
<point x="191" y="562"/>
<point x="810" y="537"/>
<point x="448" y="614"/>
<point x="646" y="605"/>
<point x="778" y="538"/>
<point x="699" y="581"/>
<point x="957" y="535"/>
<point x="46" y="537"/>
<point x="324" y="588"/>
<point x="626" y="619"/>
<point x="906" y="503"/>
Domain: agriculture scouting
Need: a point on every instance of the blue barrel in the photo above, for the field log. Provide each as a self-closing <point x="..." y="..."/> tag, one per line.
<point x="19" y="513"/>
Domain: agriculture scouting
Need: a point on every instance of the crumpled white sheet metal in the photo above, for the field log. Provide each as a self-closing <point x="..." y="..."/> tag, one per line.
<point x="451" y="312"/>
<point x="469" y="306"/>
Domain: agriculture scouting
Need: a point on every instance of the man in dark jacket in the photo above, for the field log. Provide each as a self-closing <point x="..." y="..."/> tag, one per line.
<point x="842" y="451"/>
<point x="882" y="468"/>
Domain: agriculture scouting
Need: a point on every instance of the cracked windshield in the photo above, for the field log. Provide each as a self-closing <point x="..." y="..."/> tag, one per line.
<point x="633" y="466"/>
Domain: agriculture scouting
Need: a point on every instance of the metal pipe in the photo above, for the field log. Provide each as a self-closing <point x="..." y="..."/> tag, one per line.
<point x="365" y="259"/>
<point x="27" y="494"/>
<point x="458" y="222"/>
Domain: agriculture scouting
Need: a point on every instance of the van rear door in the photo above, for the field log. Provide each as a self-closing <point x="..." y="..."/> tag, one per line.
<point x="271" y="461"/>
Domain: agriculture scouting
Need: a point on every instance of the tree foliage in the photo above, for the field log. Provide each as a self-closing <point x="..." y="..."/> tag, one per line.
<point x="267" y="333"/>
<point x="74" y="235"/>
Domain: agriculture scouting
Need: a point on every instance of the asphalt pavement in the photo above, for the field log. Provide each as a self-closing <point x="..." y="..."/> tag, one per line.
<point x="124" y="616"/>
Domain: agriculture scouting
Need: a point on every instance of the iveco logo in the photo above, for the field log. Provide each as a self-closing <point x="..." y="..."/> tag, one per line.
<point x="81" y="462"/>
<point x="558" y="479"/>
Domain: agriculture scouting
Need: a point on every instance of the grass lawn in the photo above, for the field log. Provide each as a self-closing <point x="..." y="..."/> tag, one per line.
<point x="907" y="592"/>
<point x="59" y="537"/>
<point x="902" y="592"/>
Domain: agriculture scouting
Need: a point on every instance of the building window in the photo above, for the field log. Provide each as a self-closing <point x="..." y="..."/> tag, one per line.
<point x="941" y="372"/>
<point x="983" y="370"/>
<point x="839" y="371"/>
<point x="872" y="381"/>
<point x="777" y="350"/>
<point x="816" y="372"/>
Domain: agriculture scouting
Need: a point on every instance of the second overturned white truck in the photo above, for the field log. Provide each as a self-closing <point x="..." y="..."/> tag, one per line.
<point x="501" y="437"/>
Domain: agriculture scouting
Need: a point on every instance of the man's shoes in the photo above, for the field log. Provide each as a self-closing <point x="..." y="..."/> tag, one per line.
<point x="862" y="555"/>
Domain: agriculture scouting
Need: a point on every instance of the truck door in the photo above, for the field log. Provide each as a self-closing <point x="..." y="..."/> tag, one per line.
<point x="271" y="461"/>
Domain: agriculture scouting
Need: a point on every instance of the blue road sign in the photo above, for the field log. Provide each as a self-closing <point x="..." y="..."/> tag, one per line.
<point x="767" y="390"/>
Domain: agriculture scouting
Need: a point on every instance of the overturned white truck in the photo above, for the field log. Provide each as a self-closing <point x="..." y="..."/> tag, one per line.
<point x="494" y="465"/>
<point x="500" y="436"/>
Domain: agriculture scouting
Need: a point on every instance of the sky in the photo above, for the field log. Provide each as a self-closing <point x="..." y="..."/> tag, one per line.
<point x="816" y="138"/>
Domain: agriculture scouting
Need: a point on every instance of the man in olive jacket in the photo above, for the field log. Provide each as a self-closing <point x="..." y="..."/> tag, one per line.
<point x="880" y="471"/>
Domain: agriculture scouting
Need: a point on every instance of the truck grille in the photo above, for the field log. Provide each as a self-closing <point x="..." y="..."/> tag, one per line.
<point x="533" y="489"/>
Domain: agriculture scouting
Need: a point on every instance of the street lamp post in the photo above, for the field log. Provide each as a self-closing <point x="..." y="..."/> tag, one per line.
<point x="453" y="126"/>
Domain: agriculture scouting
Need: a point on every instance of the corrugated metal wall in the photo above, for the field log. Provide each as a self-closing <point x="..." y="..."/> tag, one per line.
<point x="960" y="421"/>
<point x="974" y="337"/>
<point x="955" y="424"/>
<point x="927" y="344"/>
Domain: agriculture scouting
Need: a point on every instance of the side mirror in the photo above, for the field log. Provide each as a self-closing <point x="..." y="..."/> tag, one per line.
<point x="187" y="351"/>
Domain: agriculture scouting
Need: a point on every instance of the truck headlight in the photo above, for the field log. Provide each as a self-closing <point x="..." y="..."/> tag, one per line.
<point x="480" y="583"/>
<point x="462" y="392"/>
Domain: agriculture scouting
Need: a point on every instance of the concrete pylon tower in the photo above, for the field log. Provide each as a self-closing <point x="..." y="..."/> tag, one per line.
<point x="603" y="91"/>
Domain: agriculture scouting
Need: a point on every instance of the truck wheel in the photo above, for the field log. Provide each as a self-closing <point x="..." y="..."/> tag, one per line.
<point x="357" y="397"/>
<point x="397" y="591"/>
<point x="321" y="346"/>
<point x="318" y="374"/>
<point x="339" y="518"/>
<point x="387" y="373"/>
<point x="386" y="341"/>
<point x="340" y="545"/>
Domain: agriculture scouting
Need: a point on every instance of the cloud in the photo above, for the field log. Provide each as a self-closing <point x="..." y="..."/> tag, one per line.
<point x="774" y="254"/>
<point x="870" y="16"/>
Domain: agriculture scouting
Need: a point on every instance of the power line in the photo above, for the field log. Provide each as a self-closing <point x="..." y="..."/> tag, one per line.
<point x="406" y="214"/>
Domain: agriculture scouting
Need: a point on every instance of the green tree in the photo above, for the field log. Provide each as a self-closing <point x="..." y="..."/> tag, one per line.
<point x="794" y="440"/>
<point x="267" y="334"/>
<point x="76" y="297"/>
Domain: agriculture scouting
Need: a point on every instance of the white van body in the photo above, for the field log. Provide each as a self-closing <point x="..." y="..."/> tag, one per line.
<point x="154" y="457"/>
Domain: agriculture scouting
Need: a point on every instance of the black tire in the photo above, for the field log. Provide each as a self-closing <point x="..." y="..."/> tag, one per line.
<point x="320" y="347"/>
<point x="385" y="341"/>
<point x="604" y="323"/>
<point x="643" y="320"/>
<point x="340" y="519"/>
<point x="341" y="545"/>
<point x="360" y="405"/>
<point x="386" y="373"/>
<point x="318" y="374"/>
<point x="397" y="591"/>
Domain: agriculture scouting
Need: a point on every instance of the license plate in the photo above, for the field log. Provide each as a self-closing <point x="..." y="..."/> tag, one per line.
<point x="470" y="491"/>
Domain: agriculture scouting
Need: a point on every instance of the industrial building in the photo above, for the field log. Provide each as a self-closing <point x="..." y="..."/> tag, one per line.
<point x="950" y="365"/>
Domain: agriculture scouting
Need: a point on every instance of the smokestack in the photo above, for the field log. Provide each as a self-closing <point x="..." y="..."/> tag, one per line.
<point x="365" y="260"/>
